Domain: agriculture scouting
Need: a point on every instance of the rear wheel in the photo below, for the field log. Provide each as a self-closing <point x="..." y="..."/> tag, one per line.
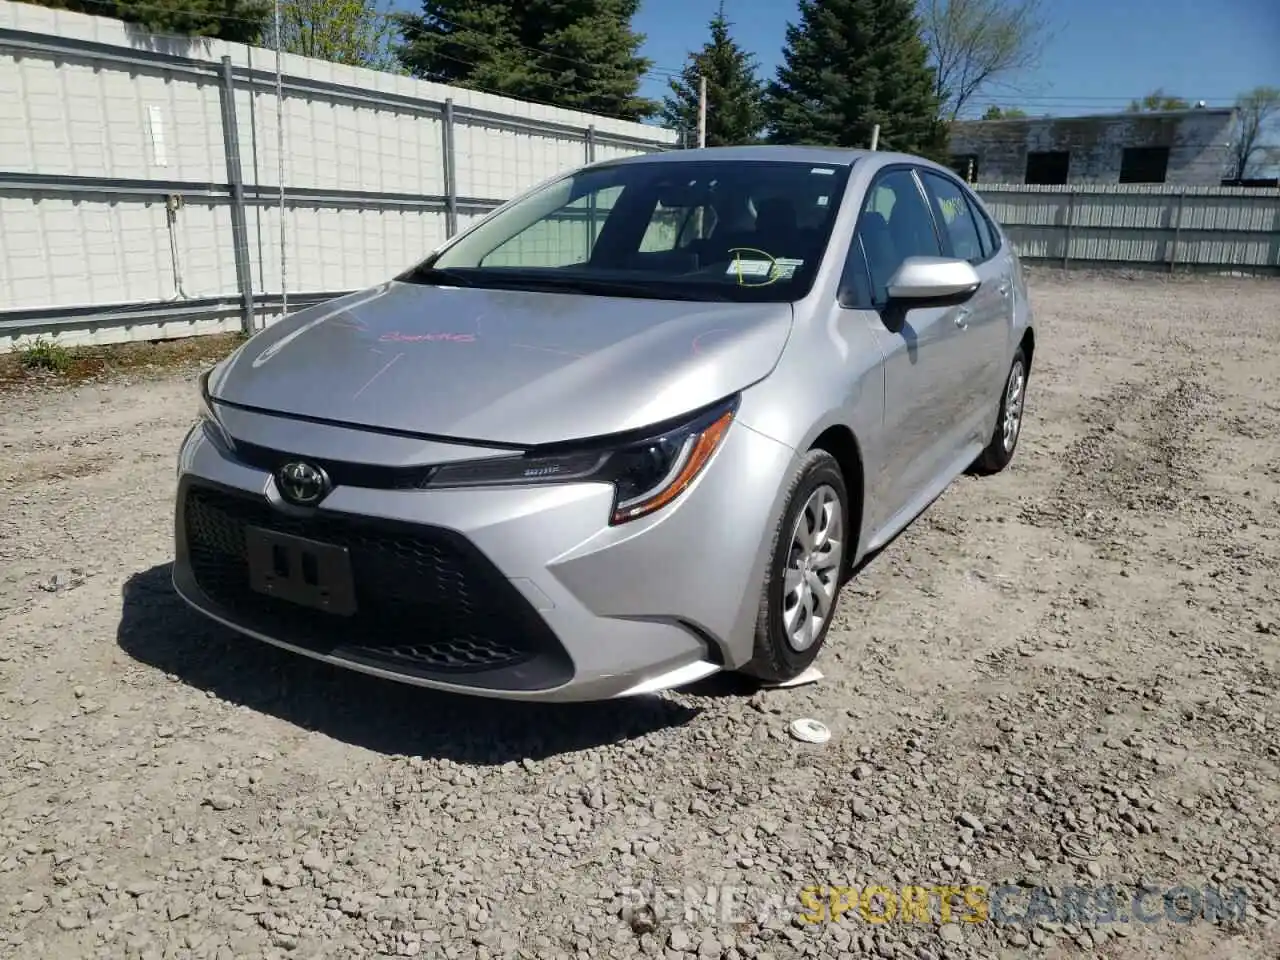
<point x="1004" y="439"/>
<point x="804" y="575"/>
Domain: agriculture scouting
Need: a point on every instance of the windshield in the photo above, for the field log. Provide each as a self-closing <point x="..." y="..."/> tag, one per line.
<point x="689" y="230"/>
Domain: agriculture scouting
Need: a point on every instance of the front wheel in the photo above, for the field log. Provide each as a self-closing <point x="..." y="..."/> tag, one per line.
<point x="1004" y="439"/>
<point x="803" y="580"/>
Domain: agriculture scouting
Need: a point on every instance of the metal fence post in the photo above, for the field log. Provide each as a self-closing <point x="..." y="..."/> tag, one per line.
<point x="450" y="171"/>
<point x="1071" y="217"/>
<point x="235" y="177"/>
<point x="593" y="227"/>
<point x="1177" y="229"/>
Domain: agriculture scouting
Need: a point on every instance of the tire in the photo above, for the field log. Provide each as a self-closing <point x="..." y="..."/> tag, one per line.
<point x="1000" y="449"/>
<point x="777" y="658"/>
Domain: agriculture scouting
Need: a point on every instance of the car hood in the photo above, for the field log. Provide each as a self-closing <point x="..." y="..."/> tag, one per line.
<point x="500" y="366"/>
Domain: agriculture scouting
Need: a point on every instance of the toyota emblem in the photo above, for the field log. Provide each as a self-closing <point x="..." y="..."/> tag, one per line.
<point x="302" y="483"/>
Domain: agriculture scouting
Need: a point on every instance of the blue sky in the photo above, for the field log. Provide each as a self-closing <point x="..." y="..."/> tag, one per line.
<point x="1103" y="53"/>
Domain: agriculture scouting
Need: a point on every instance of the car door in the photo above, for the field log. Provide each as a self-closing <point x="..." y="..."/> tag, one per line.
<point x="988" y="315"/>
<point x="923" y="426"/>
<point x="1001" y="255"/>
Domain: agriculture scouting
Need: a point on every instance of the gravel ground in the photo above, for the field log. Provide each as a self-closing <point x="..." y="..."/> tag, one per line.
<point x="1065" y="678"/>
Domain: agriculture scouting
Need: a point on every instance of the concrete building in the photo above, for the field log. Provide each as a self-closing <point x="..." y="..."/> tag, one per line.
<point x="1188" y="147"/>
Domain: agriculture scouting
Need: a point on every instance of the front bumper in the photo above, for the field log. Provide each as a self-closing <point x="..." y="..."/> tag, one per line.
<point x="518" y="593"/>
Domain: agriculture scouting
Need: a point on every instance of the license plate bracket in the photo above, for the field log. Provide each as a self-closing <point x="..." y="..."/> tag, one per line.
<point x="302" y="571"/>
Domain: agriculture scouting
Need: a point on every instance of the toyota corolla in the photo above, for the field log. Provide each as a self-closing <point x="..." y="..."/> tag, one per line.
<point x="636" y="426"/>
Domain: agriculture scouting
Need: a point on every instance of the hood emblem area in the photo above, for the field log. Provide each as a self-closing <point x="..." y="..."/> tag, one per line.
<point x="303" y="484"/>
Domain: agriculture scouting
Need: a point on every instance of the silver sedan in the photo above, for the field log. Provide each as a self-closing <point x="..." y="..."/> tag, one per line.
<point x="634" y="427"/>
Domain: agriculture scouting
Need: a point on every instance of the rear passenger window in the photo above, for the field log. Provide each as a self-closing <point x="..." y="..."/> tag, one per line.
<point x="955" y="215"/>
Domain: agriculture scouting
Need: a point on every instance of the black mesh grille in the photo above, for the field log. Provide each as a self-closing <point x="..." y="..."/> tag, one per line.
<point x="428" y="602"/>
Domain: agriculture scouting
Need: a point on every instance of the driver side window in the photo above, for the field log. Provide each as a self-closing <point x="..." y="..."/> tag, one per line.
<point x="895" y="224"/>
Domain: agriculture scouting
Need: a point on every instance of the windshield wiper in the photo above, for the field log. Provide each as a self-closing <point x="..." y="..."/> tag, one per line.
<point x="661" y="289"/>
<point x="658" y="290"/>
<point x="434" y="275"/>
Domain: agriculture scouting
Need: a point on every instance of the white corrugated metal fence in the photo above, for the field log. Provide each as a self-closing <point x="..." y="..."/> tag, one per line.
<point x="126" y="212"/>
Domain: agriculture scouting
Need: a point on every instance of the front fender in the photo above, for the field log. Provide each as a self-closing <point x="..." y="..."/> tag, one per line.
<point x="831" y="374"/>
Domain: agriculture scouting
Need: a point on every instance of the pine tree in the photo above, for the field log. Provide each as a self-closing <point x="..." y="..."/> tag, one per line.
<point x="578" y="54"/>
<point x="467" y="43"/>
<point x="735" y="96"/>
<point x="238" y="21"/>
<point x="590" y="55"/>
<point x="849" y="65"/>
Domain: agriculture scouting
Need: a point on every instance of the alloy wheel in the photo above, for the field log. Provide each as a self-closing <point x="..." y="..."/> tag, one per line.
<point x="1013" y="406"/>
<point x="813" y="568"/>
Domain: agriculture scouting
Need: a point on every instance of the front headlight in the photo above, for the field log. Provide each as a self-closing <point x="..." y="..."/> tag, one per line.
<point x="647" y="472"/>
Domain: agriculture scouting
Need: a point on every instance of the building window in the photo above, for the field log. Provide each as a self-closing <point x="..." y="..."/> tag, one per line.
<point x="1048" y="167"/>
<point x="966" y="166"/>
<point x="1144" y="164"/>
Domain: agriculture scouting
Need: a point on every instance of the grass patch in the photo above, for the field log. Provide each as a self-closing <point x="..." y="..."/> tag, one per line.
<point x="46" y="356"/>
<point x="47" y="363"/>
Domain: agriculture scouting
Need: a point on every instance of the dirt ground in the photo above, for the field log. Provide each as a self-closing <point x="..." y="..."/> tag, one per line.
<point x="1060" y="682"/>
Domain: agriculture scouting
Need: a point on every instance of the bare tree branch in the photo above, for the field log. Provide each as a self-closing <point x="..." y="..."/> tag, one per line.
<point x="974" y="43"/>
<point x="1258" y="114"/>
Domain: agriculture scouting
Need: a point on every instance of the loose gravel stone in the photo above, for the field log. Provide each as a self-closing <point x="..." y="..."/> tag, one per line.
<point x="1062" y="675"/>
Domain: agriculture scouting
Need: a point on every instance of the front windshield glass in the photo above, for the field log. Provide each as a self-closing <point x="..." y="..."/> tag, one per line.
<point x="689" y="230"/>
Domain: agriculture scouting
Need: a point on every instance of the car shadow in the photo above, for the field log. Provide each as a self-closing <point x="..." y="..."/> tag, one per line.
<point x="732" y="685"/>
<point x="739" y="686"/>
<point x="158" y="629"/>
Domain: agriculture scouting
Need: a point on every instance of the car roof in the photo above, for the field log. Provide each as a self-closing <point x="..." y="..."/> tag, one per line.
<point x="788" y="153"/>
<point x="797" y="154"/>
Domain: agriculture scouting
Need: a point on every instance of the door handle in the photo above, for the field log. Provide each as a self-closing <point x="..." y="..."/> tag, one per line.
<point x="962" y="318"/>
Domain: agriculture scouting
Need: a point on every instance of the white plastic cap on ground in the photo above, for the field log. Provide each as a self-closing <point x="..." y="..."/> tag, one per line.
<point x="810" y="731"/>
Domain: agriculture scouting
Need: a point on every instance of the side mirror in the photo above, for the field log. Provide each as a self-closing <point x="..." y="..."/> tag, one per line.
<point x="928" y="280"/>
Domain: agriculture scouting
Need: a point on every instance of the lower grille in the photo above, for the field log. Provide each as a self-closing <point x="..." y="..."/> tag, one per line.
<point x="428" y="603"/>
